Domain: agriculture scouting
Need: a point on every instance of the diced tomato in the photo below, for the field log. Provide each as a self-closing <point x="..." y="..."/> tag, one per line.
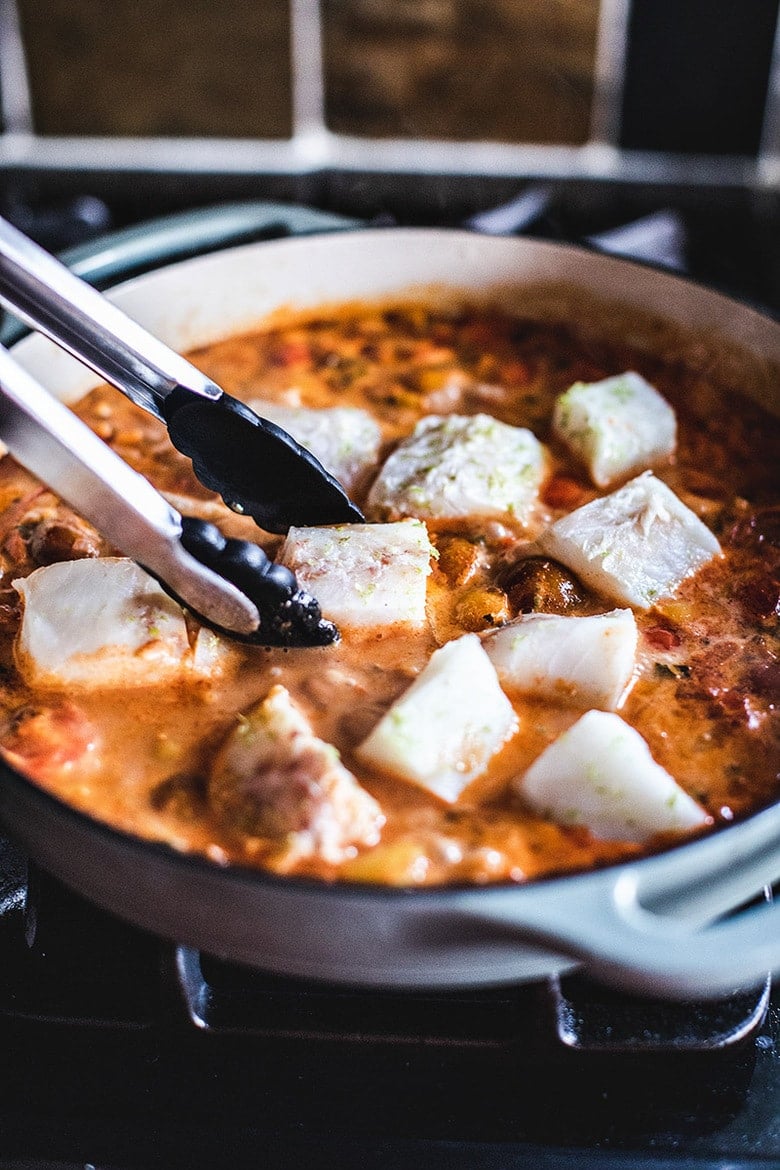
<point x="562" y="492"/>
<point x="517" y="373"/>
<point x="50" y="741"/>
<point x="742" y="708"/>
<point x="291" y="352"/>
<point x="662" y="639"/>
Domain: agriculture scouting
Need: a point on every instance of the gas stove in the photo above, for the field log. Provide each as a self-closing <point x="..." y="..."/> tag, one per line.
<point x="121" y="1050"/>
<point x="124" y="1050"/>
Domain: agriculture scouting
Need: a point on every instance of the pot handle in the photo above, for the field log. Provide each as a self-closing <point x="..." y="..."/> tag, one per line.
<point x="656" y="927"/>
<point x="618" y="941"/>
<point x="154" y="243"/>
<point x="142" y="247"/>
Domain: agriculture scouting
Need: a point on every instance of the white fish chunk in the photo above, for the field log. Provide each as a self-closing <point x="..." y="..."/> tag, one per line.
<point x="600" y="774"/>
<point x="616" y="427"/>
<point x="345" y="439"/>
<point x="104" y="622"/>
<point x="576" y="661"/>
<point x="274" y="778"/>
<point x="442" y="733"/>
<point x="363" y="575"/>
<point x="636" y="545"/>
<point x="457" y="466"/>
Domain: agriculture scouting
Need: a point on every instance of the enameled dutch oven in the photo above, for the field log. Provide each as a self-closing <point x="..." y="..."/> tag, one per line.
<point x="654" y="926"/>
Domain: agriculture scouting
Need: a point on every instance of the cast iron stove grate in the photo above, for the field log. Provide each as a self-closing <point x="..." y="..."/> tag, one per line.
<point x="121" y="1050"/>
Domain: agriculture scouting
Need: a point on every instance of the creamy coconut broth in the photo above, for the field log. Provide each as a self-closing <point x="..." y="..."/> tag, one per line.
<point x="156" y="759"/>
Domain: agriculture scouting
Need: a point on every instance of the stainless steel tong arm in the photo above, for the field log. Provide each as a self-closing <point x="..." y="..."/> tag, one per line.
<point x="257" y="468"/>
<point x="47" y="296"/>
<point x="54" y="444"/>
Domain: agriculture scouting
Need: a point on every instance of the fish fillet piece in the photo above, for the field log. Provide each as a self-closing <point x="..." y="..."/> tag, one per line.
<point x="600" y="774"/>
<point x="636" y="545"/>
<point x="345" y="439"/>
<point x="576" y="661"/>
<point x="274" y="778"/>
<point x="461" y="466"/>
<point x="104" y="622"/>
<point x="363" y="575"/>
<point x="443" y="731"/>
<point x="616" y="427"/>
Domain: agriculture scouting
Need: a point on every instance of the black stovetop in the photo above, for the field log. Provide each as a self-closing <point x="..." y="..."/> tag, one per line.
<point x="119" y="1050"/>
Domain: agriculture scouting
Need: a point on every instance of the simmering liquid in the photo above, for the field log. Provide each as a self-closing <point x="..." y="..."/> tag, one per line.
<point x="705" y="694"/>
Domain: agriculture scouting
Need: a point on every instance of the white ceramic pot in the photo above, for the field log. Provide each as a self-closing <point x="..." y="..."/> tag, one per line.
<point x="649" y="926"/>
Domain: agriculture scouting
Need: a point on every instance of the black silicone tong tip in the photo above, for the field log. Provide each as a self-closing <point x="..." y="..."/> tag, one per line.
<point x="288" y="615"/>
<point x="257" y="468"/>
<point x="298" y="621"/>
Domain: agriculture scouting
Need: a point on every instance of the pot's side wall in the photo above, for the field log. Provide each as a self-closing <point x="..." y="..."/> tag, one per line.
<point x="199" y="301"/>
<point x="369" y="937"/>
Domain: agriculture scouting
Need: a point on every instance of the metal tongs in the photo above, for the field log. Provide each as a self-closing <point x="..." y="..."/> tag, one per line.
<point x="256" y="467"/>
<point x="231" y="585"/>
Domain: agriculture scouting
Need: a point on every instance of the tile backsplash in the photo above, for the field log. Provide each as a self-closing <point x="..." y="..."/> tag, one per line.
<point x="151" y="68"/>
<point x="462" y="69"/>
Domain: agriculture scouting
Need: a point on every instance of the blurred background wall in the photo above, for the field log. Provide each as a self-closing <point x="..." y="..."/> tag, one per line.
<point x="506" y="70"/>
<point x="514" y="70"/>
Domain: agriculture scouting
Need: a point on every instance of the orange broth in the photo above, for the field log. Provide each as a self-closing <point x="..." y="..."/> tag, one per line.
<point x="706" y="693"/>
